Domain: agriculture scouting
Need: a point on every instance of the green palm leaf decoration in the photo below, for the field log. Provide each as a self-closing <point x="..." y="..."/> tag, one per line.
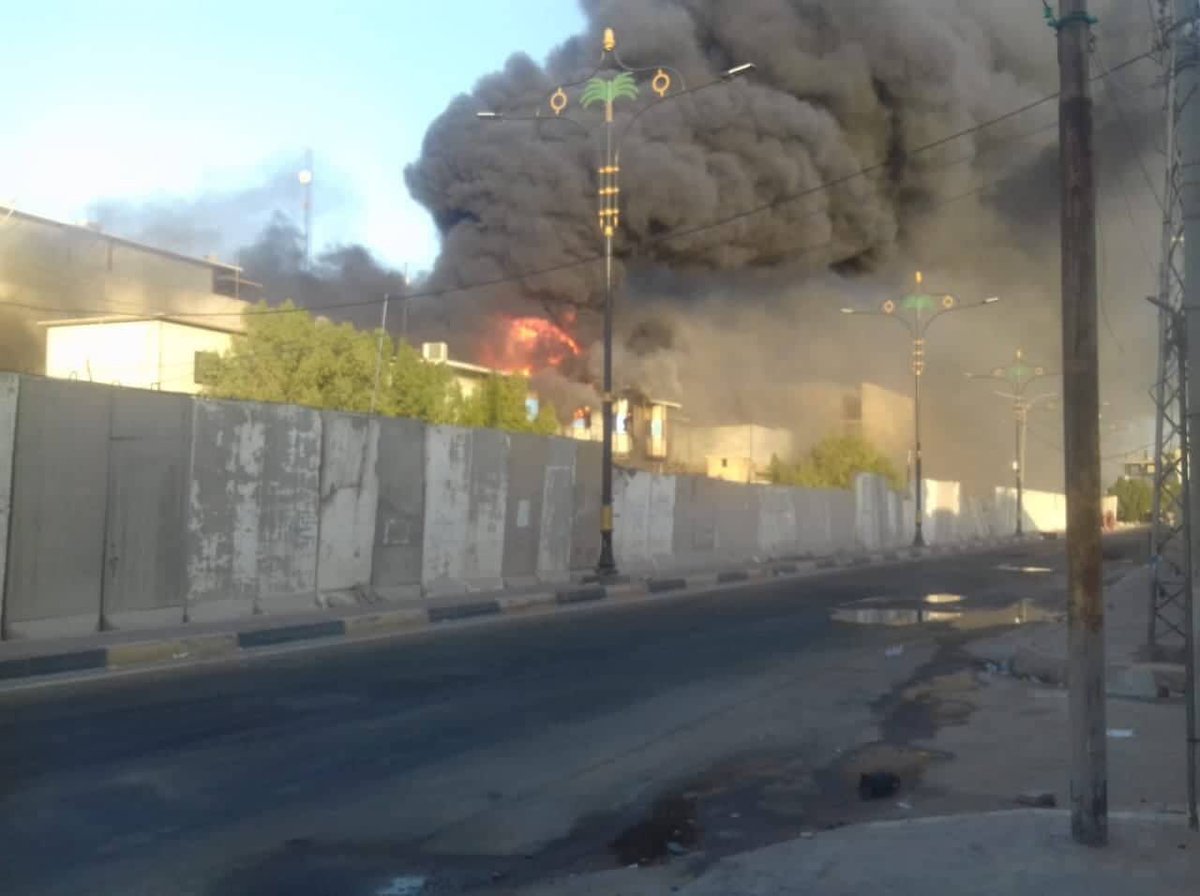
<point x="622" y="87"/>
<point x="608" y="92"/>
<point x="596" y="91"/>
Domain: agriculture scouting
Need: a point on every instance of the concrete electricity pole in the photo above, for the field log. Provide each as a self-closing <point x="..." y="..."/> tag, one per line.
<point x="1081" y="428"/>
<point x="1187" y="58"/>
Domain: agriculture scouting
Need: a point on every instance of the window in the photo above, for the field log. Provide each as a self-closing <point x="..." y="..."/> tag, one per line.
<point x="204" y="368"/>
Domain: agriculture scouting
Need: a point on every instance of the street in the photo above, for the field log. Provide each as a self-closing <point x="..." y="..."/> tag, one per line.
<point x="493" y="756"/>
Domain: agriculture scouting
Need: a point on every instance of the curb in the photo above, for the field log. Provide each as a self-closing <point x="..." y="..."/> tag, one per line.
<point x="180" y="650"/>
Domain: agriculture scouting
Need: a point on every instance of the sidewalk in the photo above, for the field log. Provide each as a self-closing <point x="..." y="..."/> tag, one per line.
<point x="1021" y="852"/>
<point x="197" y="642"/>
<point x="1026" y="852"/>
<point x="1040" y="651"/>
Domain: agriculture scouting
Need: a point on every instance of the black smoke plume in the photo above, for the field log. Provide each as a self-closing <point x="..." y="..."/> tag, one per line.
<point x="847" y="94"/>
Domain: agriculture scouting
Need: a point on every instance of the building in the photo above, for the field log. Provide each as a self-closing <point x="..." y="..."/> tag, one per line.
<point x="732" y="453"/>
<point x="470" y="377"/>
<point x="743" y="452"/>
<point x="642" y="429"/>
<point x="53" y="270"/>
<point x="168" y="354"/>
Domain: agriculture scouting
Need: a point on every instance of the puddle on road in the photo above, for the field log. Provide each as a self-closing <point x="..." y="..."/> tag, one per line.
<point x="670" y="828"/>
<point x="950" y="611"/>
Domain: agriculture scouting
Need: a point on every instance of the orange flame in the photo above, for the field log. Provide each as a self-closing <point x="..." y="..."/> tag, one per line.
<point x="529" y="344"/>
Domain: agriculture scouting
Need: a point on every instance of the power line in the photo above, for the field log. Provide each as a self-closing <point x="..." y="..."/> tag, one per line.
<point x="660" y="238"/>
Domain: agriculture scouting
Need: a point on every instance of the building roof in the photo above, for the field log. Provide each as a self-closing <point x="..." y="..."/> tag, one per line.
<point x="178" y="319"/>
<point x="469" y="368"/>
<point x="8" y="212"/>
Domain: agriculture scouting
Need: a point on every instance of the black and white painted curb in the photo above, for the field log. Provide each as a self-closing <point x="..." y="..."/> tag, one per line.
<point x="184" y="648"/>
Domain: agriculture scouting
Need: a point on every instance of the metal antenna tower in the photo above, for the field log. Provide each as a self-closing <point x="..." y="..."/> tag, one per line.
<point x="1170" y="559"/>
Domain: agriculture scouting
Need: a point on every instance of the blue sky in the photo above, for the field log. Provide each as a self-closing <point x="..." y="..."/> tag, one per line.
<point x="146" y="100"/>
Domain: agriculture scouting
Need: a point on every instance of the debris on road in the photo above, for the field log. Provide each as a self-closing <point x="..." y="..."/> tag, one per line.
<point x="1038" y="799"/>
<point x="1120" y="733"/>
<point x="894" y="651"/>
<point x="878" y="785"/>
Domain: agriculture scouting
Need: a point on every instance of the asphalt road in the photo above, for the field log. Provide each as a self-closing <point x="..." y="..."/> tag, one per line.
<point x="484" y="754"/>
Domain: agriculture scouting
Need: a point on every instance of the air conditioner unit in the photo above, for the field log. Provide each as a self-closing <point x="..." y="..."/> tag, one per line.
<point x="435" y="352"/>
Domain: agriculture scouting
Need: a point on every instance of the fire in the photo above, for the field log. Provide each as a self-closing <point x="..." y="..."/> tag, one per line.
<point x="529" y="344"/>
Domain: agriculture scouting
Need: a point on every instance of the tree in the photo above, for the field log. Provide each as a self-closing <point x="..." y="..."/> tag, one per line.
<point x="834" y="462"/>
<point x="415" y="388"/>
<point x="286" y="355"/>
<point x="500" y="403"/>
<point x="1134" y="499"/>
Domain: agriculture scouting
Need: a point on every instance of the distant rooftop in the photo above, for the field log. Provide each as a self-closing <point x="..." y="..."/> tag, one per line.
<point x="180" y="319"/>
<point x="8" y="213"/>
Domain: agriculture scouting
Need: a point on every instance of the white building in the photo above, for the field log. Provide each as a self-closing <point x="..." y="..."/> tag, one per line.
<point x="165" y="353"/>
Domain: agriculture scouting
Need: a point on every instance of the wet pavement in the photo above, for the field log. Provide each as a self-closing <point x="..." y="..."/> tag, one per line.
<point x="669" y="734"/>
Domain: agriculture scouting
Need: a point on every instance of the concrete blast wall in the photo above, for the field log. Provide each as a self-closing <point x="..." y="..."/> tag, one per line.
<point x="10" y="384"/>
<point x="122" y="508"/>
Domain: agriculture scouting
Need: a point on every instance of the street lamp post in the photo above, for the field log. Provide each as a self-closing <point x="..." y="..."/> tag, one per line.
<point x="1019" y="375"/>
<point x="916" y="312"/>
<point x="611" y="82"/>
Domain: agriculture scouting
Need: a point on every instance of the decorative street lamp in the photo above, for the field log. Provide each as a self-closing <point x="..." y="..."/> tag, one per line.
<point x="1019" y="375"/>
<point x="612" y="83"/>
<point x="916" y="312"/>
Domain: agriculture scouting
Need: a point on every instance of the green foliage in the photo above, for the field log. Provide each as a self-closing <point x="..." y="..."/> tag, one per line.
<point x="291" y="357"/>
<point x="834" y="462"/>
<point x="598" y="90"/>
<point x="1134" y="499"/>
<point x="499" y="403"/>
<point x="414" y="388"/>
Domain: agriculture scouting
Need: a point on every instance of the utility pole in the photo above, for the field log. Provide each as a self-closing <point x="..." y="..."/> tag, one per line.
<point x="1187" y="59"/>
<point x="1081" y="428"/>
<point x="306" y="181"/>
<point x="379" y="351"/>
<point x="916" y="312"/>
<point x="611" y="83"/>
<point x="1170" y="579"/>
<point x="1019" y="375"/>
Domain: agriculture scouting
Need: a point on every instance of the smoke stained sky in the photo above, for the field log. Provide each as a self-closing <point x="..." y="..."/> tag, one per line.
<point x="842" y="85"/>
<point x="133" y="100"/>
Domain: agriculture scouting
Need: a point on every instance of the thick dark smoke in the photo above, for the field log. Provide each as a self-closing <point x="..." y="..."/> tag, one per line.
<point x="347" y="283"/>
<point x="259" y="228"/>
<point x="722" y="316"/>
<point x="217" y="222"/>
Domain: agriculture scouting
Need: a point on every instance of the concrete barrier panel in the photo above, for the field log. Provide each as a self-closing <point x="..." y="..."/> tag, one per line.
<point x="289" y="520"/>
<point x="400" y="521"/>
<point x="349" y="502"/>
<point x="737" y="520"/>
<point x="841" y="518"/>
<point x="631" y="519"/>
<point x="466" y="491"/>
<point x="813" y="535"/>
<point x="777" y="532"/>
<point x="558" y="512"/>
<point x="585" y="525"/>
<point x="60" y="493"/>
<point x="145" y="556"/>
<point x="10" y="385"/>
<point x="869" y="511"/>
<point x="221" y="540"/>
<point x="943" y="506"/>
<point x="528" y="457"/>
<point x="695" y="536"/>
<point x="660" y="536"/>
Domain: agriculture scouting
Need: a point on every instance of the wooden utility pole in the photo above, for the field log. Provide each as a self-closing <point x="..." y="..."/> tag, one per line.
<point x="1081" y="430"/>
